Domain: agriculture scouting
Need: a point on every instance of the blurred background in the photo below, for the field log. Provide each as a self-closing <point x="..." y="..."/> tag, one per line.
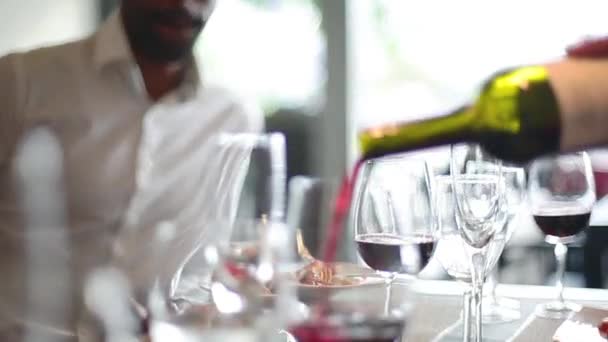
<point x="322" y="69"/>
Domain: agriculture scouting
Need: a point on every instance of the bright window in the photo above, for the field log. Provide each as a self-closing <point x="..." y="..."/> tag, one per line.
<point x="271" y="51"/>
<point x="414" y="58"/>
<point x="28" y="24"/>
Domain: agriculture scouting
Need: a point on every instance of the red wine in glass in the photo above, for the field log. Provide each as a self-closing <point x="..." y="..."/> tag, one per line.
<point x="391" y="253"/>
<point x="562" y="225"/>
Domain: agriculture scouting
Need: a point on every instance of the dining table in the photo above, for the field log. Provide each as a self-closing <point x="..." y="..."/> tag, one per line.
<point x="435" y="306"/>
<point x="435" y="313"/>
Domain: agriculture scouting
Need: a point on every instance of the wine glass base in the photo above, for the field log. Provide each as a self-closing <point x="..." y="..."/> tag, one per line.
<point x="557" y="310"/>
<point x="501" y="310"/>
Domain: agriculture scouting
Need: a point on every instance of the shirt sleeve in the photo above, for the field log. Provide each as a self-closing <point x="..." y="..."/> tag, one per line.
<point x="9" y="114"/>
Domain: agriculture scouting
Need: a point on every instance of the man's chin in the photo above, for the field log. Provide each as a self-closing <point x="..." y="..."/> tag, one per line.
<point x="169" y="53"/>
<point x="166" y="51"/>
<point x="177" y="35"/>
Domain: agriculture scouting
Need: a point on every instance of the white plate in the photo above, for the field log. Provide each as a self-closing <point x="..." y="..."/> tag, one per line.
<point x="362" y="275"/>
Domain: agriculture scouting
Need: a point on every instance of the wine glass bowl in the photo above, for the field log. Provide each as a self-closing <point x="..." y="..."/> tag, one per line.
<point x="394" y="227"/>
<point x="478" y="192"/>
<point x="561" y="194"/>
<point x="451" y="251"/>
<point x="478" y="202"/>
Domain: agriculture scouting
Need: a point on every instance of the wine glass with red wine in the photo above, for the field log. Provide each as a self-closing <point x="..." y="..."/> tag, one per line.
<point x="345" y="306"/>
<point x="395" y="231"/>
<point x="562" y="194"/>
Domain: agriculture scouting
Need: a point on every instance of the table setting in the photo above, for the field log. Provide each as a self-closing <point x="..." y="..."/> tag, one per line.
<point x="307" y="261"/>
<point x="403" y="215"/>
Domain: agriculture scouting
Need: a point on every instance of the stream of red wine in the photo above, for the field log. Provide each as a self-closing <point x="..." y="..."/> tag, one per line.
<point x="340" y="211"/>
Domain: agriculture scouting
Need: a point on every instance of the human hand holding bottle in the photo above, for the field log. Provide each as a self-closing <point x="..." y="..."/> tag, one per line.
<point x="519" y="113"/>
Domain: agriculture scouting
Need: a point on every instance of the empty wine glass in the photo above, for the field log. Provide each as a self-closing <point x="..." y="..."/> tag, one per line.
<point x="478" y="188"/>
<point x="452" y="252"/>
<point x="393" y="220"/>
<point x="497" y="309"/>
<point x="561" y="194"/>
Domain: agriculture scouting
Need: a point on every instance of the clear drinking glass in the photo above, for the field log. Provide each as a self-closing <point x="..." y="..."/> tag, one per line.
<point x="497" y="309"/>
<point x="252" y="239"/>
<point x="452" y="252"/>
<point x="257" y="204"/>
<point x="393" y="217"/>
<point x="478" y="188"/>
<point x="561" y="194"/>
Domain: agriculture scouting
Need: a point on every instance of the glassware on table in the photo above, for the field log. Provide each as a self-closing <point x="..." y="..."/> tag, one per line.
<point x="342" y="300"/>
<point x="452" y="252"/>
<point x="497" y="309"/>
<point x="251" y="238"/>
<point x="478" y="188"/>
<point x="561" y="194"/>
<point x="393" y="219"/>
<point x="256" y="203"/>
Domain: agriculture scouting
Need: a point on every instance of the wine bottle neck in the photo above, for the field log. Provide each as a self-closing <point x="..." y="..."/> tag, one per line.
<point x="451" y="128"/>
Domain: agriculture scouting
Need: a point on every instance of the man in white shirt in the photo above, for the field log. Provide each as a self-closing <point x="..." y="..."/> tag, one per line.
<point x="130" y="112"/>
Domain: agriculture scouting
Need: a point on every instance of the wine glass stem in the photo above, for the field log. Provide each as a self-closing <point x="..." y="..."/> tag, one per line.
<point x="389" y="285"/>
<point x="478" y="263"/>
<point x="466" y="309"/>
<point x="561" y="252"/>
<point x="472" y="314"/>
<point x="476" y="306"/>
<point x="492" y="283"/>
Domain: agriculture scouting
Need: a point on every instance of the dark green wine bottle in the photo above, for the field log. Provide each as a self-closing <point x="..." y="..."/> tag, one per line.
<point x="515" y="117"/>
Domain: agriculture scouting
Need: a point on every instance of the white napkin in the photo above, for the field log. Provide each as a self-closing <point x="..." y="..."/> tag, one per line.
<point x="583" y="326"/>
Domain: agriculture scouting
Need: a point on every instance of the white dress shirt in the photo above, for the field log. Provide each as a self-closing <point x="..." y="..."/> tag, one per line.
<point x="130" y="164"/>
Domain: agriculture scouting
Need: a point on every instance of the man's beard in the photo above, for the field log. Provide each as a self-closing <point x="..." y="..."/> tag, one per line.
<point x="154" y="47"/>
<point x="148" y="42"/>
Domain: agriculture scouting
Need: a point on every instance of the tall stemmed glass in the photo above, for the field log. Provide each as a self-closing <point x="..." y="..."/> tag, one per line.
<point x="338" y="307"/>
<point x="394" y="226"/>
<point x="499" y="310"/>
<point x="479" y="195"/>
<point x="561" y="194"/>
<point x="453" y="253"/>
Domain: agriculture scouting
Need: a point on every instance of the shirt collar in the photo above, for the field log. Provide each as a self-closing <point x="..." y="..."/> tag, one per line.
<point x="111" y="45"/>
<point x="112" y="48"/>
